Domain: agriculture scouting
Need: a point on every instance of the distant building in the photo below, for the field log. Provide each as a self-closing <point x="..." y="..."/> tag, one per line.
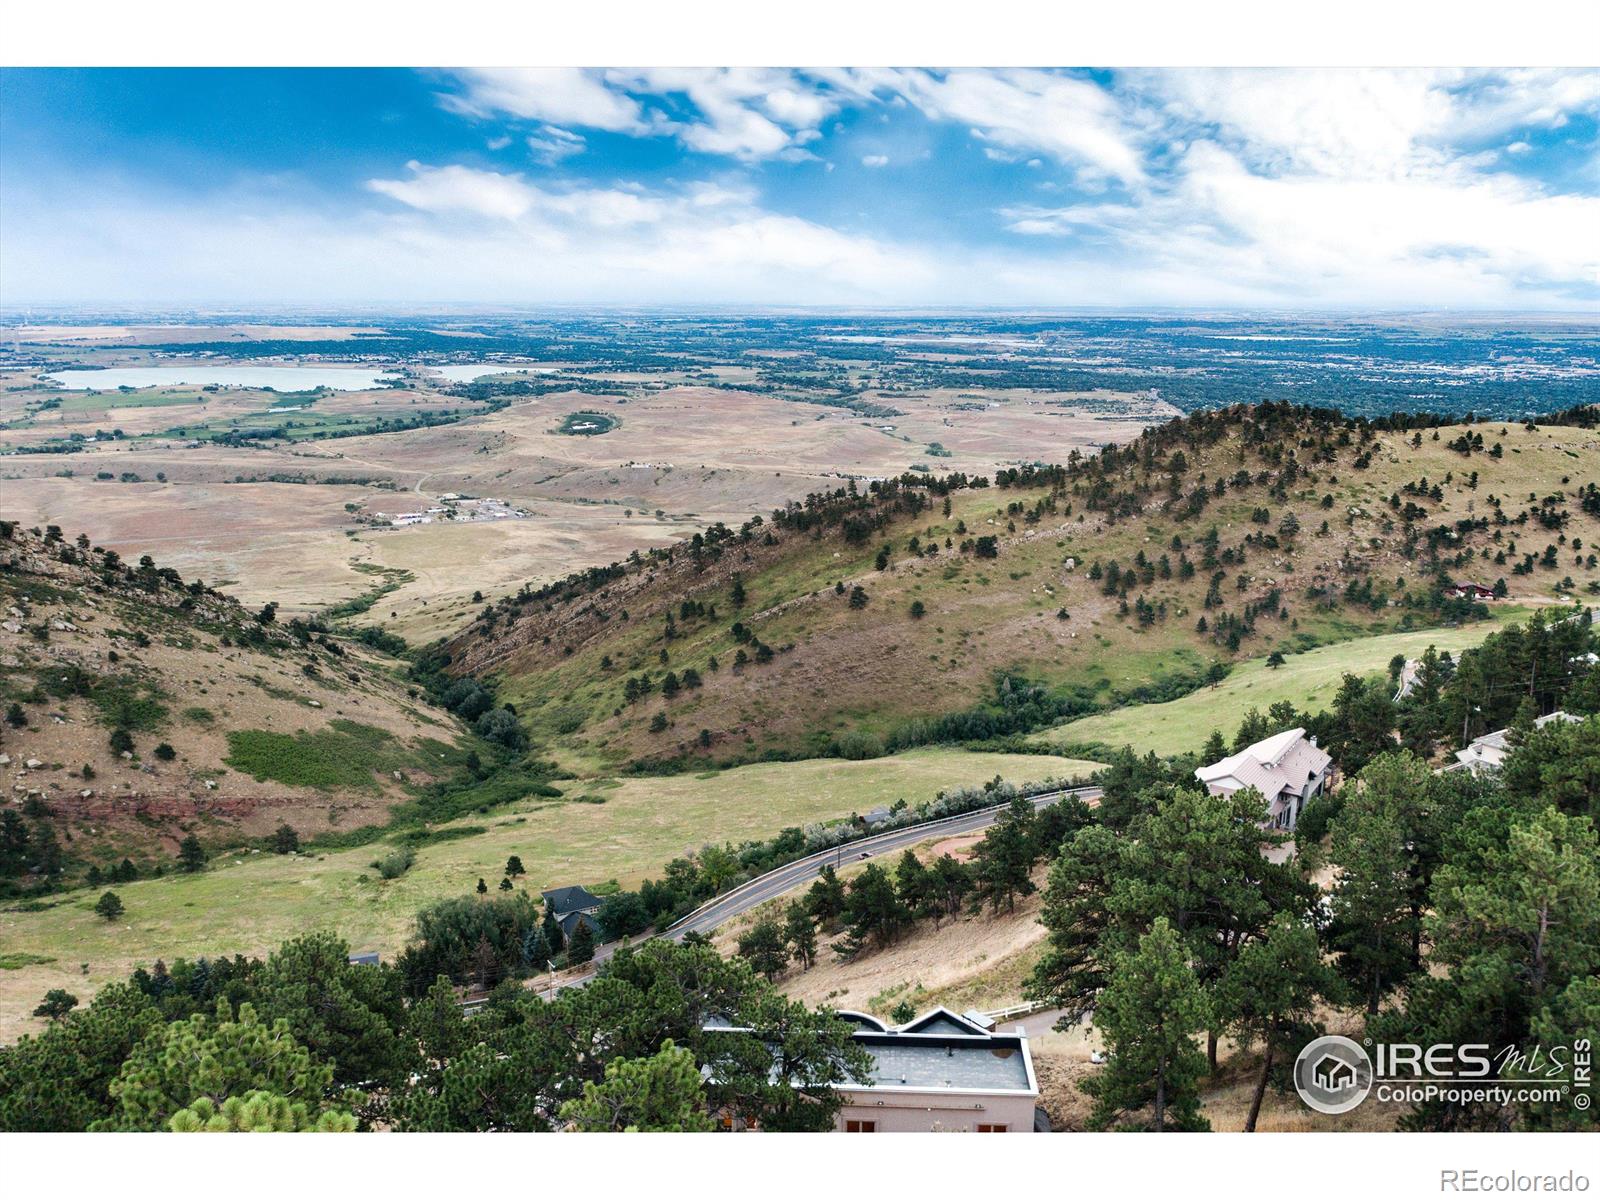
<point x="1488" y="753"/>
<point x="1470" y="591"/>
<point x="366" y="958"/>
<point x="571" y="907"/>
<point x="1286" y="768"/>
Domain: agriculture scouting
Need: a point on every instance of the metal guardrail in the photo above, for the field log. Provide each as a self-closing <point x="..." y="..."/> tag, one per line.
<point x="821" y="857"/>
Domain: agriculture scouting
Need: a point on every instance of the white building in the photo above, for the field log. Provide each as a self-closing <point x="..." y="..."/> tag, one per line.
<point x="1488" y="753"/>
<point x="1286" y="768"/>
<point x="941" y="1073"/>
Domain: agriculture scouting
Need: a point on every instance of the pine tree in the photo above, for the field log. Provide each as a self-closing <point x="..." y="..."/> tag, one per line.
<point x="581" y="948"/>
<point x="514" y="867"/>
<point x="1148" y="1016"/>
<point x="483" y="888"/>
<point x="191" y="855"/>
<point x="109" y="906"/>
<point x="800" y="933"/>
<point x="1002" y="864"/>
<point x="1271" y="991"/>
<point x="659" y="1094"/>
<point x="765" y="948"/>
<point x="285" y="840"/>
<point x="826" y="898"/>
<point x="553" y="936"/>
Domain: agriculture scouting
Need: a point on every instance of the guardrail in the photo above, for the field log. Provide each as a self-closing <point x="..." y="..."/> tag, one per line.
<point x="1038" y="800"/>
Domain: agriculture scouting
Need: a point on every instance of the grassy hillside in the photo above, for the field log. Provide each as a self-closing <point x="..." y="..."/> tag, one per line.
<point x="1325" y="531"/>
<point x="625" y="829"/>
<point x="141" y="708"/>
<point x="1308" y="681"/>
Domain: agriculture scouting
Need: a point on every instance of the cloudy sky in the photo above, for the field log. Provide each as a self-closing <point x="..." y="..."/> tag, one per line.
<point x="1210" y="188"/>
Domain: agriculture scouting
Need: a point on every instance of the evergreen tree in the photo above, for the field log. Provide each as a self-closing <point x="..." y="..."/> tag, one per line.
<point x="215" y="1057"/>
<point x="536" y="953"/>
<point x="659" y="1094"/>
<point x="765" y="948"/>
<point x="191" y="855"/>
<point x="581" y="949"/>
<point x="826" y="898"/>
<point x="800" y="934"/>
<point x="285" y="840"/>
<point x="553" y="936"/>
<point x="1272" y="989"/>
<point x="873" y="912"/>
<point x="1002" y="863"/>
<point x="57" y="1003"/>
<point x="514" y="867"/>
<point x="109" y="906"/>
<point x="1149" y="1015"/>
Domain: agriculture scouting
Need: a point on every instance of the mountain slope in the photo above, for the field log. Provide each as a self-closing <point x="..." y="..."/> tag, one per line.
<point x="140" y="708"/>
<point x="1279" y="527"/>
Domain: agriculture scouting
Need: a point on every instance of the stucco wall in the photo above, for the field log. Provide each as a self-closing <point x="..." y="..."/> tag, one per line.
<point x="957" y="1112"/>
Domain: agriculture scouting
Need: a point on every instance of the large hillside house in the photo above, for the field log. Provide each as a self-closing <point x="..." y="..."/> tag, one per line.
<point x="1287" y="768"/>
<point x="1488" y="753"/>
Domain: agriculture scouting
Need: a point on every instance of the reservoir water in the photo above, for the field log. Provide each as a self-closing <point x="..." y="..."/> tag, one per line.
<point x="467" y="372"/>
<point x="283" y="379"/>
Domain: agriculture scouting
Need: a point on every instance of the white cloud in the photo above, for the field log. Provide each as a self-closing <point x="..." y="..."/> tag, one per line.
<point x="559" y="95"/>
<point x="1029" y="111"/>
<point x="552" y="143"/>
<point x="874" y="160"/>
<point x="1316" y="238"/>
<point x="455" y="189"/>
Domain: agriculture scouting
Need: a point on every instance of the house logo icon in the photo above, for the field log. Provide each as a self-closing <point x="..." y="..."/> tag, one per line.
<point x="1333" y="1074"/>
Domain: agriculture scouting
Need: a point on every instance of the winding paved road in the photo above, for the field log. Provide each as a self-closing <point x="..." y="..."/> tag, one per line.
<point x="777" y="882"/>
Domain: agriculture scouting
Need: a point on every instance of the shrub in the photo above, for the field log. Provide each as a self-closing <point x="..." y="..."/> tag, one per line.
<point x="394" y="865"/>
<point x="856" y="745"/>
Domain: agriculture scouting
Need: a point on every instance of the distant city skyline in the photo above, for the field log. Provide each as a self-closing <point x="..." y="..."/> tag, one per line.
<point x="1073" y="189"/>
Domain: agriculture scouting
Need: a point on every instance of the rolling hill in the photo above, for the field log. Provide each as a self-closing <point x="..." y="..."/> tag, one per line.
<point x="141" y="708"/>
<point x="896" y="612"/>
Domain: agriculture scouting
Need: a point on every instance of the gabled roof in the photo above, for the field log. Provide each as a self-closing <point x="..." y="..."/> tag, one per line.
<point x="942" y="1020"/>
<point x="570" y="899"/>
<point x="569" y="923"/>
<point x="1284" y="760"/>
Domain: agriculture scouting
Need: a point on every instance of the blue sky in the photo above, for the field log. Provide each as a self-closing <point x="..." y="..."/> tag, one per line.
<point x="1195" y="187"/>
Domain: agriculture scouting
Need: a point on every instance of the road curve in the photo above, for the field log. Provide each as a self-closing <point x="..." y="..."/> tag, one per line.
<point x="775" y="883"/>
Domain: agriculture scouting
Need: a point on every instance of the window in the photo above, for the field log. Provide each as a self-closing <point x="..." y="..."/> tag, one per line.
<point x="861" y="1127"/>
<point x="993" y="1128"/>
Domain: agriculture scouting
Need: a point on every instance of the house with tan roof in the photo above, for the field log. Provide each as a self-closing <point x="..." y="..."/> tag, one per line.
<point x="1288" y="769"/>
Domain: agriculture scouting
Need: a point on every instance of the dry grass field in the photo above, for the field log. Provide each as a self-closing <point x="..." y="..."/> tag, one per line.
<point x="679" y="458"/>
<point x="603" y="828"/>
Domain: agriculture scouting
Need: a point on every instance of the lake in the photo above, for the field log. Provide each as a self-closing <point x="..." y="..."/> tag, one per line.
<point x="466" y="373"/>
<point x="283" y="379"/>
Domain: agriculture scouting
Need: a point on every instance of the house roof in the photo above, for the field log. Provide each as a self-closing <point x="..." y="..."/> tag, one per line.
<point x="942" y="1020"/>
<point x="997" y="1064"/>
<point x="1283" y="761"/>
<point x="570" y="899"/>
<point x="569" y="923"/>
<point x="938" y="1052"/>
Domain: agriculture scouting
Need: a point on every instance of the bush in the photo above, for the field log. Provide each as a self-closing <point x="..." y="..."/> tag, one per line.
<point x="857" y="745"/>
<point x="394" y="865"/>
<point x="165" y="752"/>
